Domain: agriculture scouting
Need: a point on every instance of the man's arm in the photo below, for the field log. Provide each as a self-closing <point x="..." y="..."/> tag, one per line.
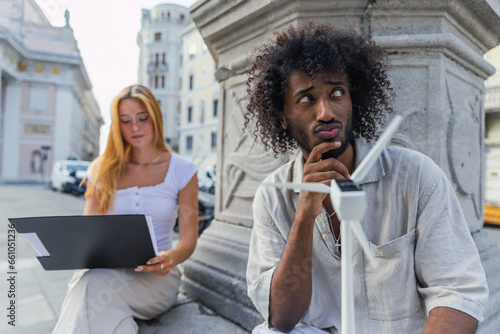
<point x="291" y="284"/>
<point x="448" y="320"/>
<point x="447" y="263"/>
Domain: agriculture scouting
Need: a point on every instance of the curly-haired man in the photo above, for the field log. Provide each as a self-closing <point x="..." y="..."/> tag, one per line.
<point x="325" y="90"/>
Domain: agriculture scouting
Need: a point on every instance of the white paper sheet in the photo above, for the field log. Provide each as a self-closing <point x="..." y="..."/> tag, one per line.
<point x="149" y="220"/>
<point x="36" y="243"/>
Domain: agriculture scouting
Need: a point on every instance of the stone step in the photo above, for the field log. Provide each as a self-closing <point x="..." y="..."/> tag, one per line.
<point x="191" y="317"/>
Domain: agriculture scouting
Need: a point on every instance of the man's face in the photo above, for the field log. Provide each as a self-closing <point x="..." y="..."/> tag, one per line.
<point x="317" y="110"/>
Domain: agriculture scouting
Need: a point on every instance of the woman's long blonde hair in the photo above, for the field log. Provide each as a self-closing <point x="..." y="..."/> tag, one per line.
<point x="107" y="168"/>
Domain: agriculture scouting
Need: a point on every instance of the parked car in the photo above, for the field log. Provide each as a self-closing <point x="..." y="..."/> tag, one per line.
<point x="206" y="199"/>
<point x="206" y="207"/>
<point x="206" y="179"/>
<point x="67" y="176"/>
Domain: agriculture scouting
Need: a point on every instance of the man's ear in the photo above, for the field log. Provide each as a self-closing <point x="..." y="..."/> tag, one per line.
<point x="284" y="125"/>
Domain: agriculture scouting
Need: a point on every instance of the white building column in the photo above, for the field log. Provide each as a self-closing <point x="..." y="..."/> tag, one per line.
<point x="2" y="126"/>
<point x="62" y="126"/>
<point x="10" y="151"/>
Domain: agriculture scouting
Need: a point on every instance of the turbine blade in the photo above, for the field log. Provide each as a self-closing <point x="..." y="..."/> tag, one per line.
<point x="367" y="163"/>
<point x="360" y="235"/>
<point x="314" y="187"/>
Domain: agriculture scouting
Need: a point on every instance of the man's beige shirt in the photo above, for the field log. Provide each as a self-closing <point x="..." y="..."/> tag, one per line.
<point x="416" y="229"/>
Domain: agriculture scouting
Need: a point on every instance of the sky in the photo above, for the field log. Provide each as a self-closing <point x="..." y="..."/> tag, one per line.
<point x="106" y="32"/>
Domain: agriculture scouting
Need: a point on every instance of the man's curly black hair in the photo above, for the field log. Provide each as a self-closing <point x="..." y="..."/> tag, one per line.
<point x="316" y="48"/>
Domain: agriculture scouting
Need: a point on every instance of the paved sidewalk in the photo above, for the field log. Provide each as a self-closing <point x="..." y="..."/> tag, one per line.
<point x="39" y="294"/>
<point x="188" y="317"/>
<point x="493" y="234"/>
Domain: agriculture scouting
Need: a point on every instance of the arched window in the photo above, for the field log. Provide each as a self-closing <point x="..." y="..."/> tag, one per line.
<point x="36" y="162"/>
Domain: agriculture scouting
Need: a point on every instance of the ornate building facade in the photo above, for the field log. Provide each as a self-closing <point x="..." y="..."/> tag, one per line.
<point x="160" y="61"/>
<point x="47" y="109"/>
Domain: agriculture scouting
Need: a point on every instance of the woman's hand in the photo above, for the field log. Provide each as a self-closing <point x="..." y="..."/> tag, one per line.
<point x="159" y="265"/>
<point x="188" y="233"/>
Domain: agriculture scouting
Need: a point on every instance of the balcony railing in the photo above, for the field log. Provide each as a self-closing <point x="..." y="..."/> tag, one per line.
<point x="157" y="67"/>
<point x="492" y="99"/>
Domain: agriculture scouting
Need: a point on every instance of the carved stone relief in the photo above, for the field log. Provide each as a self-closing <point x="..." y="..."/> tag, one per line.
<point x="413" y="130"/>
<point x="464" y="142"/>
<point x="244" y="163"/>
<point x="402" y="137"/>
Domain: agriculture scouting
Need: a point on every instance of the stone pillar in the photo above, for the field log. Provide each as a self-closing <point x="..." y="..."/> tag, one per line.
<point x="437" y="71"/>
<point x="2" y="122"/>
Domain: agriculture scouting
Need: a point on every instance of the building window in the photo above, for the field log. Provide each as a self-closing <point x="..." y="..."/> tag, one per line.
<point x="163" y="58"/>
<point x="192" y="49"/>
<point x="190" y="114"/>
<point x="157" y="36"/>
<point x="162" y="81"/>
<point x="191" y="81"/>
<point x="216" y="107"/>
<point x="202" y="112"/>
<point x="156" y="81"/>
<point x="157" y="58"/>
<point x="189" y="143"/>
<point x="182" y="17"/>
<point x="38" y="98"/>
<point x="214" y="139"/>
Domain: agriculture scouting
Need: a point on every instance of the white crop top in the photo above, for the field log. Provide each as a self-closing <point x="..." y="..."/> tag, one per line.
<point x="159" y="201"/>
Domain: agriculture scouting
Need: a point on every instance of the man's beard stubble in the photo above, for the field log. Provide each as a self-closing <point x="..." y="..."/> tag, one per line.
<point x="301" y="139"/>
<point x="337" y="152"/>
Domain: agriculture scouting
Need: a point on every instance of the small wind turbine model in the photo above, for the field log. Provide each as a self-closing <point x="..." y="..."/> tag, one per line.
<point x="349" y="202"/>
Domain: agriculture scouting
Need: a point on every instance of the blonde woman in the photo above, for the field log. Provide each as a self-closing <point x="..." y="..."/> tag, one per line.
<point x="136" y="174"/>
